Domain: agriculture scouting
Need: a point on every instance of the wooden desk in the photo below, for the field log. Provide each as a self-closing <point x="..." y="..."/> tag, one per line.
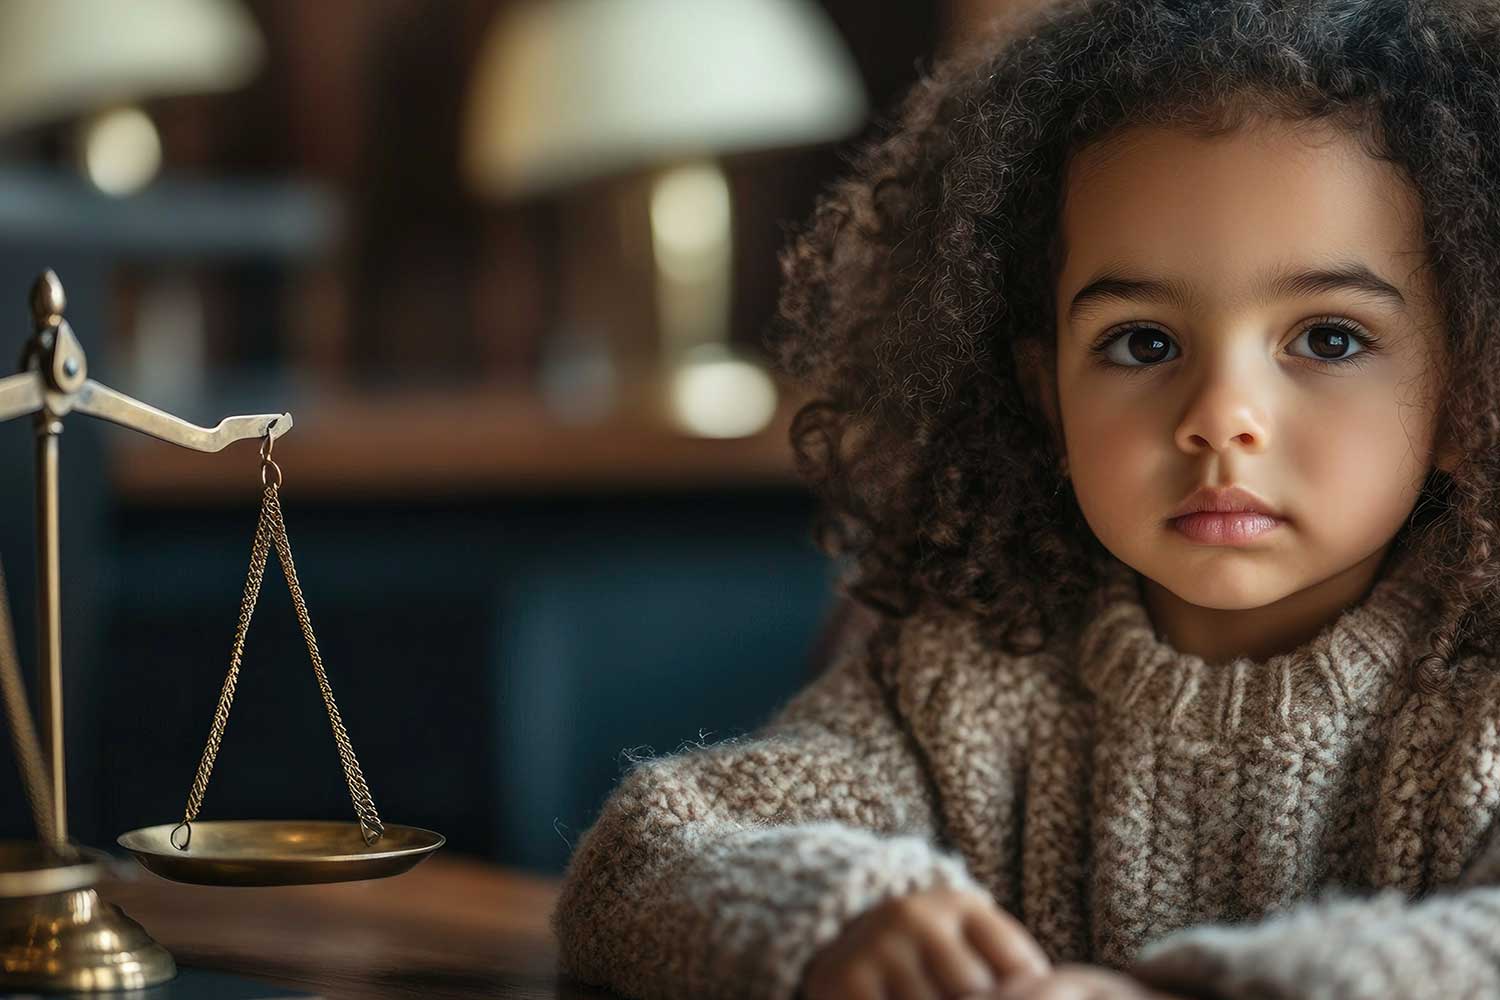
<point x="449" y="928"/>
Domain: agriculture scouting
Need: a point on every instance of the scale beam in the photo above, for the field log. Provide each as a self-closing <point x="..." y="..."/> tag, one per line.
<point x="27" y="393"/>
<point x="105" y="403"/>
<point x="54" y="382"/>
<point x="20" y="394"/>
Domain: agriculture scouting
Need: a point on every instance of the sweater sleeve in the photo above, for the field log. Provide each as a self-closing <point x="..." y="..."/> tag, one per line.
<point x="1347" y="947"/>
<point x="720" y="871"/>
<point x="1340" y="947"/>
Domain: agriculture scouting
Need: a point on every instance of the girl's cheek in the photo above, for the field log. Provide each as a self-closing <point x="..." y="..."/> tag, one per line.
<point x="1119" y="464"/>
<point x="1111" y="439"/>
<point x="1365" y="461"/>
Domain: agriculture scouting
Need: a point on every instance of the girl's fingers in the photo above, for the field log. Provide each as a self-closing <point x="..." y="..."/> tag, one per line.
<point x="954" y="966"/>
<point x="1031" y="987"/>
<point x="1073" y="982"/>
<point x="865" y="984"/>
<point x="1005" y="944"/>
<point x="906" y="976"/>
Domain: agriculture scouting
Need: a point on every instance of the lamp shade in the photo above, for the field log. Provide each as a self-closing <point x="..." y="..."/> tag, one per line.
<point x="570" y="90"/>
<point x="62" y="57"/>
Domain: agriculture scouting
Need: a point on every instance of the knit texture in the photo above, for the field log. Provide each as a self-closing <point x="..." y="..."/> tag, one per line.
<point x="1309" y="825"/>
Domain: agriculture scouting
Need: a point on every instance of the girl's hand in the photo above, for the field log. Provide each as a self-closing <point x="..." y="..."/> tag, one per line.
<point x="933" y="945"/>
<point x="1077" y="982"/>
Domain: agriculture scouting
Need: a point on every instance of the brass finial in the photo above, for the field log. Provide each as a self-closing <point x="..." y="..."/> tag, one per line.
<point x="47" y="299"/>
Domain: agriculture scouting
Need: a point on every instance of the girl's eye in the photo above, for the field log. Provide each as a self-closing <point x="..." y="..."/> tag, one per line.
<point x="1134" y="347"/>
<point x="1330" y="339"/>
<point x="1334" y="340"/>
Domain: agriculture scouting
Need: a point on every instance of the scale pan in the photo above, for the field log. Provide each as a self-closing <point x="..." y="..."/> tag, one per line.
<point x="27" y="870"/>
<point x="278" y="852"/>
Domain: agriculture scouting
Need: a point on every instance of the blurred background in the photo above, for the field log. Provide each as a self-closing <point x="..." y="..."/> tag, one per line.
<point x="508" y="265"/>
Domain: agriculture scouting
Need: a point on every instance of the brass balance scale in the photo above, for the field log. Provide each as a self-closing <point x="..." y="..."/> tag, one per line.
<point x="55" y="933"/>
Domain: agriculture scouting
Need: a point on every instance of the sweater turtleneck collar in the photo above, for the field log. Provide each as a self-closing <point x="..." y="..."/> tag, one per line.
<point x="1347" y="667"/>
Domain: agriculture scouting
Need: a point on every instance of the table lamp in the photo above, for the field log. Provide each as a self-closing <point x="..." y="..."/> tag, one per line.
<point x="571" y="91"/>
<point x="97" y="58"/>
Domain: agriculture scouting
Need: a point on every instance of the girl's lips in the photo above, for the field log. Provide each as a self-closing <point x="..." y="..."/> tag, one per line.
<point x="1213" y="528"/>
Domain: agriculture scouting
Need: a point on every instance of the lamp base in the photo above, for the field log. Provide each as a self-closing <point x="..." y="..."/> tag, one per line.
<point x="74" y="942"/>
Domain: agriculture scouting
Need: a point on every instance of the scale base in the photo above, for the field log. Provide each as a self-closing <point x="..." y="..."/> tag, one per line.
<point x="74" y="942"/>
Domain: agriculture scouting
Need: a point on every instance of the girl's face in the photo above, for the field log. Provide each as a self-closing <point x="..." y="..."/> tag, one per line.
<point x="1249" y="310"/>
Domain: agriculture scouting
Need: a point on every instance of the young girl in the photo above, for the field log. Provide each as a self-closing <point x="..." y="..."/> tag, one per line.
<point x="1158" y="417"/>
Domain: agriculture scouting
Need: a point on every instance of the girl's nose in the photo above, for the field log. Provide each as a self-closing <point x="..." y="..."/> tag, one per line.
<point x="1223" y="414"/>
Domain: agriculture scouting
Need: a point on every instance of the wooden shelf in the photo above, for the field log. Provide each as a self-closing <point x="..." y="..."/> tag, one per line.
<point x="480" y="440"/>
<point x="179" y="216"/>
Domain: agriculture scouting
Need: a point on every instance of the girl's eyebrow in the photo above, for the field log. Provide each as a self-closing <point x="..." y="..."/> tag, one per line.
<point x="1346" y="275"/>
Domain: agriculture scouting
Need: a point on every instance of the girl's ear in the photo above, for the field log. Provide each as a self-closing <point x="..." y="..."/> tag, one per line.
<point x="1039" y="385"/>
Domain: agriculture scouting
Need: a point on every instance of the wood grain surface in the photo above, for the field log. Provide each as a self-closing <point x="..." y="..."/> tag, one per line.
<point x="450" y="928"/>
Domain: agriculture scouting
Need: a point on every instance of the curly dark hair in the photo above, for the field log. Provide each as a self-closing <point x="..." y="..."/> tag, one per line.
<point x="917" y="301"/>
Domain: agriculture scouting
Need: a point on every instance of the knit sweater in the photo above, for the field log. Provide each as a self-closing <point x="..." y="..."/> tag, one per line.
<point x="1309" y="825"/>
